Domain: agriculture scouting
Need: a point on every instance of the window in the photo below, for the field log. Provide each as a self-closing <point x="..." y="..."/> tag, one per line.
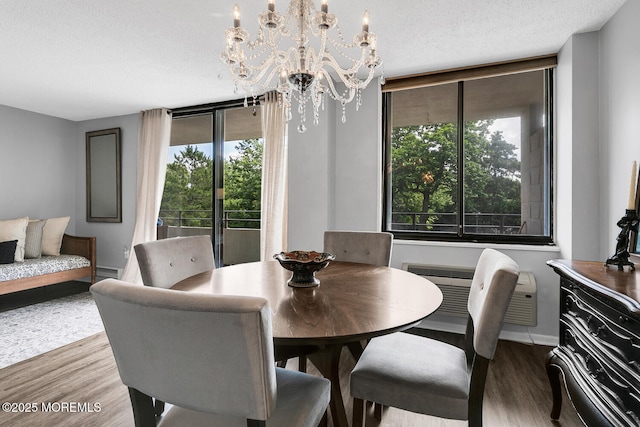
<point x="469" y="159"/>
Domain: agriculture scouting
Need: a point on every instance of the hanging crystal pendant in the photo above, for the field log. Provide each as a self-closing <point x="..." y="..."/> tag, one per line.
<point x="269" y="62"/>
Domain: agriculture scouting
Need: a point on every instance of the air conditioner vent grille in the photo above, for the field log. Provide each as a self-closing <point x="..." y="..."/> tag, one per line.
<point x="454" y="282"/>
<point x="441" y="272"/>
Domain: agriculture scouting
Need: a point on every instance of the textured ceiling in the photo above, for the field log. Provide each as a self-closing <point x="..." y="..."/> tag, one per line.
<point x="84" y="59"/>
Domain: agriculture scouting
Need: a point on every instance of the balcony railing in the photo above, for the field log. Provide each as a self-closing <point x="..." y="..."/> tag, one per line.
<point x="442" y="222"/>
<point x="202" y="218"/>
<point x="446" y="222"/>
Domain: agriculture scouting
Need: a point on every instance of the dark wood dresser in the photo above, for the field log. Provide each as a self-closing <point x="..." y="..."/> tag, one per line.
<point x="599" y="350"/>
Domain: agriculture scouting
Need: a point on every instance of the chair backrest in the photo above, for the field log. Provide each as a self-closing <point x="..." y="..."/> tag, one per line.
<point x="367" y="247"/>
<point x="209" y="353"/>
<point x="491" y="290"/>
<point x="163" y="263"/>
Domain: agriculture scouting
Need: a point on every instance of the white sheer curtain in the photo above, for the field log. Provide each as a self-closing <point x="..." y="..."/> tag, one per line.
<point x="153" y="149"/>
<point x="273" y="219"/>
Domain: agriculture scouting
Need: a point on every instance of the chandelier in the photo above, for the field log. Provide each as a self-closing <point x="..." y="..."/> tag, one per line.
<point x="294" y="54"/>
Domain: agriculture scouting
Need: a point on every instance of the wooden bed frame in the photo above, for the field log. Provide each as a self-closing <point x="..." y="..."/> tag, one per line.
<point x="71" y="245"/>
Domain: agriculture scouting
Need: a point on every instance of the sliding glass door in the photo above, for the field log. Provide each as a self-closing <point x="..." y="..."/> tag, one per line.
<point x="214" y="173"/>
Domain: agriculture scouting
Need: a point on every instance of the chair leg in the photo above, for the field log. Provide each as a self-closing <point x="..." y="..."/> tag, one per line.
<point x="158" y="407"/>
<point x="358" y="412"/>
<point x="377" y="411"/>
<point x="143" y="411"/>
<point x="324" y="422"/>
<point x="302" y="363"/>
<point x="476" y="390"/>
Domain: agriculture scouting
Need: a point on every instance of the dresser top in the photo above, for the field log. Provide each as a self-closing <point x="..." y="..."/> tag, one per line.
<point x="622" y="286"/>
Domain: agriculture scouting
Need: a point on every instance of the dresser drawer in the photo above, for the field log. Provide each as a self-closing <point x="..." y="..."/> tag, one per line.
<point x="600" y="371"/>
<point x="614" y="330"/>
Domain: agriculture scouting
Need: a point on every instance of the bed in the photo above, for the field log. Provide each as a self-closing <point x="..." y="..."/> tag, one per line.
<point x="77" y="260"/>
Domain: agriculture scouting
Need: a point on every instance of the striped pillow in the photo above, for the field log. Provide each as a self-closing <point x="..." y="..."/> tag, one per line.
<point x="33" y="239"/>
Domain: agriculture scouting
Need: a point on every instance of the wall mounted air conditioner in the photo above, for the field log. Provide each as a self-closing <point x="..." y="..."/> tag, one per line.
<point x="454" y="282"/>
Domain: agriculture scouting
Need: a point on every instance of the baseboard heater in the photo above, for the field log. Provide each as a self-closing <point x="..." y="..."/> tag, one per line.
<point x="454" y="282"/>
<point x="103" y="272"/>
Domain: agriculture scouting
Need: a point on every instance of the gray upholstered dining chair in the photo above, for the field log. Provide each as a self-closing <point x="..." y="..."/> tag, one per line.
<point x="366" y="247"/>
<point x="431" y="377"/>
<point x="210" y="356"/>
<point x="163" y="263"/>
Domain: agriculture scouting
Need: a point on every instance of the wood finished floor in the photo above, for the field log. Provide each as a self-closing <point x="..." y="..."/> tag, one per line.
<point x="517" y="392"/>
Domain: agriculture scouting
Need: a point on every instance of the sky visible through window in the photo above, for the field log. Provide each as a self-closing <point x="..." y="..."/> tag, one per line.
<point x="510" y="128"/>
<point x="511" y="132"/>
<point x="229" y="150"/>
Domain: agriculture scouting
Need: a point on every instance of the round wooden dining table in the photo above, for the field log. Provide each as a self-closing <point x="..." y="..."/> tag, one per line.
<point x="353" y="302"/>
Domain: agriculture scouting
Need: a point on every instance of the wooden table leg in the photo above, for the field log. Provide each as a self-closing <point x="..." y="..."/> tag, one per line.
<point x="327" y="361"/>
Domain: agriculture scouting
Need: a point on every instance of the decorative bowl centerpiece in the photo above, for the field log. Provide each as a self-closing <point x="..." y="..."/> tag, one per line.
<point x="304" y="265"/>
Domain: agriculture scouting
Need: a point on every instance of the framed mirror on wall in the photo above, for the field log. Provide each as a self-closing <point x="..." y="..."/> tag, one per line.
<point x="104" y="187"/>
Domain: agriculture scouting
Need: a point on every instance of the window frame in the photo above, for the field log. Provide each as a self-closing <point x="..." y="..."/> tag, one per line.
<point x="546" y="63"/>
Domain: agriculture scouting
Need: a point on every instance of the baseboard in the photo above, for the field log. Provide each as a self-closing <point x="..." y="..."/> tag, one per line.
<point x="523" y="337"/>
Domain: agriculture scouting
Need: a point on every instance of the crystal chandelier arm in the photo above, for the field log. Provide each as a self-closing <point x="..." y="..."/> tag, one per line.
<point x="339" y="47"/>
<point x="334" y="92"/>
<point x="252" y="75"/>
<point x="356" y="65"/>
<point x="274" y="63"/>
<point x="348" y="76"/>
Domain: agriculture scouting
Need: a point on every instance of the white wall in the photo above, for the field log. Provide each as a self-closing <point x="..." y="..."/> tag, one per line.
<point x="577" y="165"/>
<point x="619" y="116"/>
<point x="42" y="167"/>
<point x="111" y="238"/>
<point x="37" y="166"/>
<point x="310" y="189"/>
<point x="357" y="186"/>
<point x="335" y="172"/>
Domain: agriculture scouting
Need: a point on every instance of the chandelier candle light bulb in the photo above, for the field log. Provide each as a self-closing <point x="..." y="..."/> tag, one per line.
<point x="365" y="22"/>
<point x="296" y="54"/>
<point x="236" y="16"/>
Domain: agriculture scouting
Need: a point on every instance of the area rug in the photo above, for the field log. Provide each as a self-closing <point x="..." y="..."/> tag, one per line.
<point x="29" y="331"/>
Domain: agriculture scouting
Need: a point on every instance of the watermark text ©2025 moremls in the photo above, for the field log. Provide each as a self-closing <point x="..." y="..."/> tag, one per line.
<point x="67" y="407"/>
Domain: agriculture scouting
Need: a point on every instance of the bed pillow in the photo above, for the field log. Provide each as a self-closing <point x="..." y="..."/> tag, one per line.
<point x="8" y="251"/>
<point x="52" y="235"/>
<point x="15" y="229"/>
<point x="33" y="239"/>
